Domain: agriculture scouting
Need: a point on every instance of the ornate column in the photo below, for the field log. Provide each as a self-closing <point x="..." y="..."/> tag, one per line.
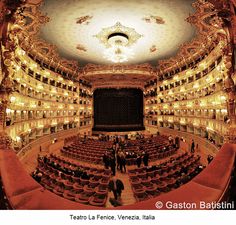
<point x="7" y="49"/>
<point x="230" y="89"/>
<point x="6" y="87"/>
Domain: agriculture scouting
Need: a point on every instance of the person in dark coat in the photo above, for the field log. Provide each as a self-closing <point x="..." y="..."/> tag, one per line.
<point x="78" y="172"/>
<point x="139" y="160"/>
<point x="192" y="147"/>
<point x="113" y="165"/>
<point x="118" y="160"/>
<point x="85" y="176"/>
<point x="105" y="159"/>
<point x="177" y="142"/>
<point x="145" y="159"/>
<point x="116" y="186"/>
<point x="209" y="158"/>
<point x="115" y="202"/>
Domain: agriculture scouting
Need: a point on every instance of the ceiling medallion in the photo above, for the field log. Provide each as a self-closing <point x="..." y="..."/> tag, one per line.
<point x="118" y="29"/>
<point x="117" y="40"/>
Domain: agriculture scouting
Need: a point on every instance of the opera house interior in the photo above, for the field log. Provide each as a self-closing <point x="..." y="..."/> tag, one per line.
<point x="117" y="104"/>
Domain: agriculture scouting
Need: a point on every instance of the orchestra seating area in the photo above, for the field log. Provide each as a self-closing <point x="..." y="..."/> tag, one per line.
<point x="69" y="179"/>
<point x="92" y="150"/>
<point x="86" y="185"/>
<point x="148" y="182"/>
<point x="64" y="174"/>
<point x="86" y="150"/>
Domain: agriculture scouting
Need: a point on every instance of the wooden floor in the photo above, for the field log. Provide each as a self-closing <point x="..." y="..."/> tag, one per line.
<point x="127" y="197"/>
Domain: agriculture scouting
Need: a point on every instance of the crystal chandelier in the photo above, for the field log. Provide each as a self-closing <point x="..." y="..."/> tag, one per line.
<point x="117" y="40"/>
<point x="119" y="51"/>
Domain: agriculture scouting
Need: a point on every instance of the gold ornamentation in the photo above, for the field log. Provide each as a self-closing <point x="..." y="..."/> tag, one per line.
<point x="154" y="19"/>
<point x="209" y="28"/>
<point x="5" y="141"/>
<point x="153" y="48"/>
<point x="209" y="31"/>
<point x="84" y="20"/>
<point x="132" y="35"/>
<point x="81" y="48"/>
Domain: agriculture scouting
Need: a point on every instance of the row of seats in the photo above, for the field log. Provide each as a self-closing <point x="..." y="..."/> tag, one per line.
<point x="88" y="150"/>
<point x="92" y="150"/>
<point x="92" y="190"/>
<point x="147" y="182"/>
<point x="155" y="155"/>
<point x="83" y="155"/>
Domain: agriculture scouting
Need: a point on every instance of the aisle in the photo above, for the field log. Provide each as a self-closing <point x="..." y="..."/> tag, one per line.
<point x="127" y="197"/>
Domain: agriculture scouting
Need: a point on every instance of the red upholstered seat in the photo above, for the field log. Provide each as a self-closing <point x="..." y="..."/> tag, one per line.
<point x="82" y="198"/>
<point x="101" y="189"/>
<point x="69" y="195"/>
<point x="84" y="182"/>
<point x="153" y="192"/>
<point x="139" y="188"/>
<point x="141" y="196"/>
<point x="77" y="188"/>
<point x="162" y="187"/>
<point x="98" y="200"/>
<point x="88" y="190"/>
<point x="58" y="190"/>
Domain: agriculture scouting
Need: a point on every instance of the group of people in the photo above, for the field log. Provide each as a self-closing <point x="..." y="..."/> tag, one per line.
<point x="115" y="161"/>
<point x="174" y="141"/>
<point x="37" y="175"/>
<point x="142" y="157"/>
<point x="69" y="170"/>
<point x="209" y="158"/>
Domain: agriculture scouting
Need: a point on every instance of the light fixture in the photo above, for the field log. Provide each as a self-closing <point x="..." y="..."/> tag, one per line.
<point x="12" y="99"/>
<point x="118" y="54"/>
<point x="18" y="139"/>
<point x="8" y="111"/>
<point x="117" y="40"/>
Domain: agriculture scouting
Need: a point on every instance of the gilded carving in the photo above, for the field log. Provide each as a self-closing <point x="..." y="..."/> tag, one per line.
<point x="84" y="19"/>
<point x="81" y="48"/>
<point x="154" y="19"/>
<point x="153" y="48"/>
<point x="5" y="141"/>
<point x="30" y="19"/>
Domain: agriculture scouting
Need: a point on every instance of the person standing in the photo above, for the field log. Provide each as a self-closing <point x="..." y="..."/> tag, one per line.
<point x="116" y="186"/>
<point x="122" y="162"/>
<point x="139" y="160"/>
<point x="192" y="147"/>
<point x="209" y="158"/>
<point x="177" y="142"/>
<point x="106" y="160"/>
<point x="145" y="158"/>
<point x="113" y="165"/>
<point x="118" y="160"/>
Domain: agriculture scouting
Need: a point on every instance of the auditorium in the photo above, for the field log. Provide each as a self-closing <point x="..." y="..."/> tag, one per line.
<point x="117" y="105"/>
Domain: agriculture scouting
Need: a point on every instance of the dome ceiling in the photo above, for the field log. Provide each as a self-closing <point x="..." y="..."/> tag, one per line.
<point x="149" y="30"/>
